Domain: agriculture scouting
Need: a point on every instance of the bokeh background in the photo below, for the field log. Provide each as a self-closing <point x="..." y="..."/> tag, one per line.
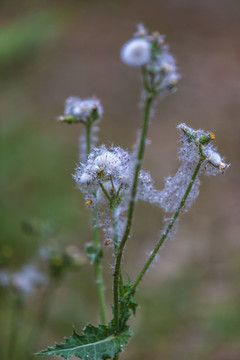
<point x="190" y="301"/>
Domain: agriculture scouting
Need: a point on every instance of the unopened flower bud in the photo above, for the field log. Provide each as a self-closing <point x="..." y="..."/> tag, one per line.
<point x="212" y="136"/>
<point x="205" y="139"/>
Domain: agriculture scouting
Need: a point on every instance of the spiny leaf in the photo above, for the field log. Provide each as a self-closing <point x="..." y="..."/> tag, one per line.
<point x="96" y="343"/>
<point x="127" y="304"/>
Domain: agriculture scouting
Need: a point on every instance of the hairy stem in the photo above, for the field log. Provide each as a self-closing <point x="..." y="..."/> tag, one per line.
<point x="96" y="241"/>
<point x="105" y="193"/>
<point x="169" y="227"/>
<point x="98" y="270"/>
<point x="115" y="229"/>
<point x="115" y="239"/>
<point x="88" y="136"/>
<point x="124" y="239"/>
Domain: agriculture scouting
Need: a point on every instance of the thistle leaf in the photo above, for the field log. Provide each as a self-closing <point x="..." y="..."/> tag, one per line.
<point x="96" y="343"/>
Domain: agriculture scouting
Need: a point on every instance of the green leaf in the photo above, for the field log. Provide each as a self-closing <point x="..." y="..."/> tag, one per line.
<point x="127" y="304"/>
<point x="95" y="253"/>
<point x="96" y="343"/>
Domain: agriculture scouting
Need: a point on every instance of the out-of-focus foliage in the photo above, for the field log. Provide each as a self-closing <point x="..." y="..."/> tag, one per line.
<point x="21" y="37"/>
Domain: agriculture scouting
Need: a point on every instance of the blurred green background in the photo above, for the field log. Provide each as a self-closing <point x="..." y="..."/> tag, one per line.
<point x="50" y="50"/>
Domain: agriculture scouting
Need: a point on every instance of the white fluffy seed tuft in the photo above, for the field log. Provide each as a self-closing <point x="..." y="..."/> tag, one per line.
<point x="136" y="52"/>
<point x="82" y="109"/>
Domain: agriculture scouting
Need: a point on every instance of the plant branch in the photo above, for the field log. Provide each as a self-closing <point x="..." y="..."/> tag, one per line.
<point x="124" y="239"/>
<point x="105" y="193"/>
<point x="88" y="136"/>
<point x="96" y="241"/>
<point x="115" y="229"/>
<point x="98" y="270"/>
<point x="169" y="227"/>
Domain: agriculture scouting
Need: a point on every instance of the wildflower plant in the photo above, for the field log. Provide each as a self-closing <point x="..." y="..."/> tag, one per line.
<point x="112" y="181"/>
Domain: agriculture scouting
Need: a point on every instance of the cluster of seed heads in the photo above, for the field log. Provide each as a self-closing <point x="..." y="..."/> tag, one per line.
<point x="195" y="144"/>
<point x="150" y="52"/>
<point x="106" y="175"/>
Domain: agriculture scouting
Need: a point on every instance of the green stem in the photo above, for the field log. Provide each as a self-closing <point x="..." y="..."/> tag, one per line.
<point x="169" y="227"/>
<point x="105" y="193"/>
<point x="115" y="229"/>
<point x="124" y="239"/>
<point x="88" y="136"/>
<point x="98" y="270"/>
<point x="96" y="240"/>
<point x="115" y="239"/>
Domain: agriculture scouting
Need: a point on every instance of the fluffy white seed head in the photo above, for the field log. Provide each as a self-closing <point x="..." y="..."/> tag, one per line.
<point x="189" y="155"/>
<point x="85" y="178"/>
<point x="215" y="159"/>
<point x="108" y="161"/>
<point x="104" y="165"/>
<point x="136" y="52"/>
<point x="113" y="168"/>
<point x="151" y="52"/>
<point x="82" y="109"/>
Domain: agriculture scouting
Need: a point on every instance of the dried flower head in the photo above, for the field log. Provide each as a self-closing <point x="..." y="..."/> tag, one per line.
<point x="151" y="52"/>
<point x="82" y="110"/>
<point x="109" y="167"/>
<point x="136" y="52"/>
<point x="196" y="144"/>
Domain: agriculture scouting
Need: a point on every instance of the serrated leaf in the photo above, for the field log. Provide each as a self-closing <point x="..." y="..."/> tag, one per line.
<point x="96" y="343"/>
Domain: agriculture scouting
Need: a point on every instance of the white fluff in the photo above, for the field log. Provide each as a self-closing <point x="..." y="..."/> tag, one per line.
<point x="136" y="52"/>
